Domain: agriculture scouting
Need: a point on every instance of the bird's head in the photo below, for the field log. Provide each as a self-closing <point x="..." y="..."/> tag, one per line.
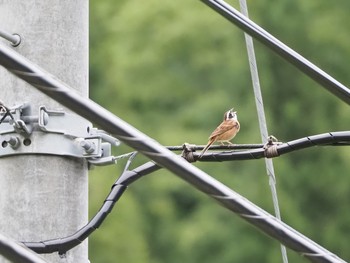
<point x="230" y="115"/>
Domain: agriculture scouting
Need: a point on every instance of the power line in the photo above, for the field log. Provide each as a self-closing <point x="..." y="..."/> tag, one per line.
<point x="248" y="26"/>
<point x="61" y="92"/>
<point x="340" y="138"/>
<point x="15" y="251"/>
<point x="63" y="244"/>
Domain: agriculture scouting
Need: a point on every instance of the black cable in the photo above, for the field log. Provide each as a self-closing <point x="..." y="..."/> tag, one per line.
<point x="217" y="147"/>
<point x="280" y="48"/>
<point x="339" y="138"/>
<point x="62" y="245"/>
<point x="142" y="143"/>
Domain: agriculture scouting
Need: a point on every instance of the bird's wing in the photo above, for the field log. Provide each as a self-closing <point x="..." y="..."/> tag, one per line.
<point x="222" y="128"/>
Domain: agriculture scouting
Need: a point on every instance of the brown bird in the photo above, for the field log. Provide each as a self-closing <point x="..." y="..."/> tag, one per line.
<point x="225" y="131"/>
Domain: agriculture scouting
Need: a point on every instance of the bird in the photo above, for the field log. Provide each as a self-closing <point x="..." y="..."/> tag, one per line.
<point x="225" y="132"/>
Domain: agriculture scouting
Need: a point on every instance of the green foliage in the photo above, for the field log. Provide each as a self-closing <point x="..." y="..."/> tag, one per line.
<point x="171" y="68"/>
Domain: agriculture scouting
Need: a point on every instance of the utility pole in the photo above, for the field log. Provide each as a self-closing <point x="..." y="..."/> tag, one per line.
<point x="45" y="196"/>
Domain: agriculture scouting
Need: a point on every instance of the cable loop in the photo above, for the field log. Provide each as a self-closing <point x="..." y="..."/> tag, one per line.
<point x="187" y="153"/>
<point x="270" y="147"/>
<point x="271" y="151"/>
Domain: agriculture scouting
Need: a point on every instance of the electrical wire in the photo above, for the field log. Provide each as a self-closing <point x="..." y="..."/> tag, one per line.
<point x="339" y="138"/>
<point x="62" y="245"/>
<point x="301" y="63"/>
<point x="248" y="211"/>
<point x="262" y="120"/>
<point x="15" y="252"/>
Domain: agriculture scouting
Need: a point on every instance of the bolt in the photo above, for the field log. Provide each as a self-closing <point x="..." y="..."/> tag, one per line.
<point x="14" y="142"/>
<point x="89" y="147"/>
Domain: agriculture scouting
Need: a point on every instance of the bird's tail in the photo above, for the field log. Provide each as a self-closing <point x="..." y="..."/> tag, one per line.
<point x="206" y="148"/>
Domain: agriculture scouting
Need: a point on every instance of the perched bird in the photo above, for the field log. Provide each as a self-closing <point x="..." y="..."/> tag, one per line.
<point x="225" y="131"/>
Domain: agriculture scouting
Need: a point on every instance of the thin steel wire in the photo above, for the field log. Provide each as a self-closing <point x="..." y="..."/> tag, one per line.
<point x="262" y="120"/>
<point x="217" y="147"/>
<point x="129" y="161"/>
<point x="59" y="91"/>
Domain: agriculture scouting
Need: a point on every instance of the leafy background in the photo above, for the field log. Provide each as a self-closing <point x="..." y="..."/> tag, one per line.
<point x="171" y="68"/>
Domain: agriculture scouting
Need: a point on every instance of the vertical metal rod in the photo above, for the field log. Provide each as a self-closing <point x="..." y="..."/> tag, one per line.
<point x="251" y="28"/>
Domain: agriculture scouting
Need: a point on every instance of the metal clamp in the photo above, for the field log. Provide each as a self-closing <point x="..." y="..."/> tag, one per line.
<point x="53" y="132"/>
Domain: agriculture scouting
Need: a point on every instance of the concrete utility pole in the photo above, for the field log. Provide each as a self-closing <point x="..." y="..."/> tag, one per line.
<point x="45" y="196"/>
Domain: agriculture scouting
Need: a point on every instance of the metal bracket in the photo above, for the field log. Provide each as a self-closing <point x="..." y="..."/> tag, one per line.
<point x="53" y="132"/>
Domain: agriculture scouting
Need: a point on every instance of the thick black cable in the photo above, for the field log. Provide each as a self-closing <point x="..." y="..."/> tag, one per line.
<point x="64" y="244"/>
<point x="251" y="28"/>
<point x="339" y="138"/>
<point x="59" y="91"/>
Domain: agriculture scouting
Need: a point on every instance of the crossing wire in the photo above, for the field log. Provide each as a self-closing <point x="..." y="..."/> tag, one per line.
<point x="262" y="120"/>
<point x="230" y="199"/>
<point x="325" y="80"/>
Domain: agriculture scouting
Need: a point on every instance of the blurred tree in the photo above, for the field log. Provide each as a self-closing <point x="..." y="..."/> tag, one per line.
<point x="171" y="68"/>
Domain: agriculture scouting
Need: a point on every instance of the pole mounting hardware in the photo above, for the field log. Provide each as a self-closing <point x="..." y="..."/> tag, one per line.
<point x="53" y="132"/>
